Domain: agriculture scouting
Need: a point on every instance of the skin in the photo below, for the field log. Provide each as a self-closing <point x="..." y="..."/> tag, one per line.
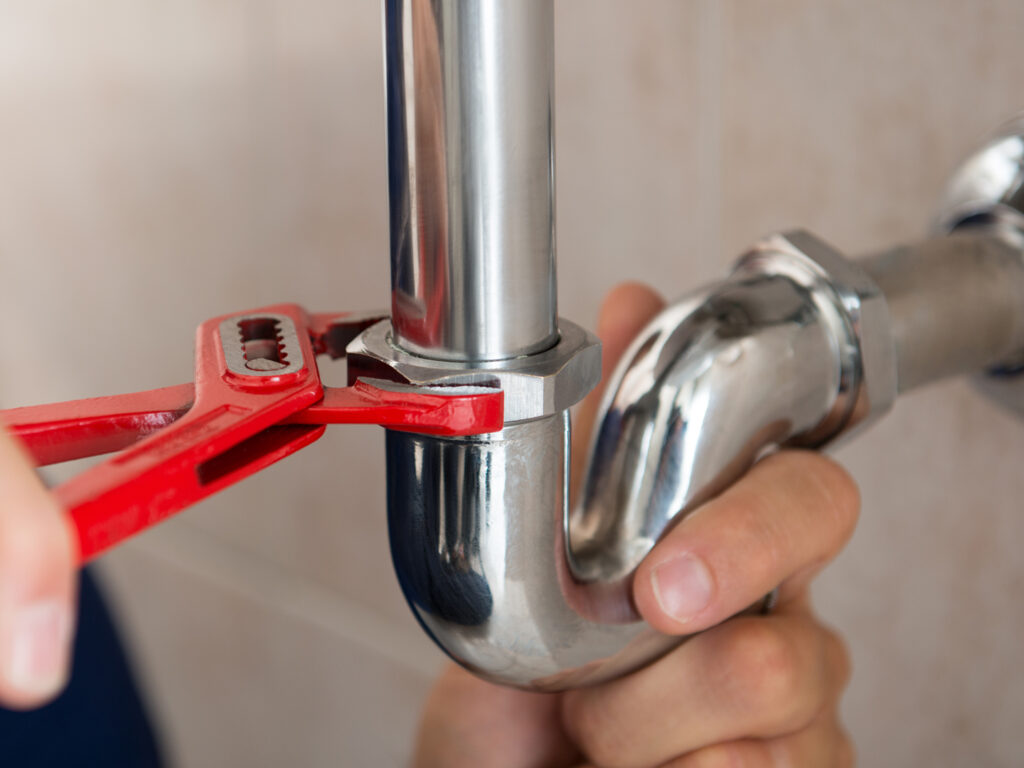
<point x="37" y="585"/>
<point x="750" y="692"/>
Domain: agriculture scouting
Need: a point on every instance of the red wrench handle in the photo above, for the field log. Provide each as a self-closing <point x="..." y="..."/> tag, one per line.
<point x="80" y="428"/>
<point x="140" y="487"/>
<point x="182" y="456"/>
<point x="257" y="398"/>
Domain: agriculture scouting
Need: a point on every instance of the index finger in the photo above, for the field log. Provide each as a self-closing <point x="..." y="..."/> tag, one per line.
<point x="786" y="518"/>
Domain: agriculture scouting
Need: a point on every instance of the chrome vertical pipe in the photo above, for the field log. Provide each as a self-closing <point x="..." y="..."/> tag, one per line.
<point x="476" y="523"/>
<point x="471" y="185"/>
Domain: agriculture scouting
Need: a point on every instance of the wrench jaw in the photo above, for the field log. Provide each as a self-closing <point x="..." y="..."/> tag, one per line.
<point x="331" y="333"/>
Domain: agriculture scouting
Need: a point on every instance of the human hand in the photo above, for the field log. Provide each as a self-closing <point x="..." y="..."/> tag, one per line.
<point x="37" y="584"/>
<point x="752" y="691"/>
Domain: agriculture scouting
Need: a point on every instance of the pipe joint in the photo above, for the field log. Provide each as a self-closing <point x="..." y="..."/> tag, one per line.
<point x="538" y="385"/>
<point x="854" y="308"/>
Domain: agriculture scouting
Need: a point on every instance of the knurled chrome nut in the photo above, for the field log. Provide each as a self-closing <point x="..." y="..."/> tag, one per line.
<point x="534" y="385"/>
<point x="849" y="300"/>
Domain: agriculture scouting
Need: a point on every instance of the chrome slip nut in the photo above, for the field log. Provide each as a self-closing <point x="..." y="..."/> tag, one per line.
<point x="535" y="385"/>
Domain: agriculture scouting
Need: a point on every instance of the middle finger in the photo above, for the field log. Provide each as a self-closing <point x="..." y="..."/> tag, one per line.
<point x="752" y="677"/>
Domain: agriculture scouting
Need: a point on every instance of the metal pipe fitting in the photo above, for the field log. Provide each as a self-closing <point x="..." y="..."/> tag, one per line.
<point x="471" y="176"/>
<point x="798" y="346"/>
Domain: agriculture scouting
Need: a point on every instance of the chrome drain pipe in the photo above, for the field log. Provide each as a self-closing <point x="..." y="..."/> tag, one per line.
<point x="475" y="523"/>
<point x="471" y="177"/>
<point x="799" y="345"/>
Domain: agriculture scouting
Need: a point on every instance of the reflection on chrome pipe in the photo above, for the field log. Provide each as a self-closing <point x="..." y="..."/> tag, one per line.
<point x="477" y="530"/>
<point x="477" y="537"/>
<point x="474" y="523"/>
<point x="698" y="396"/>
<point x="471" y="184"/>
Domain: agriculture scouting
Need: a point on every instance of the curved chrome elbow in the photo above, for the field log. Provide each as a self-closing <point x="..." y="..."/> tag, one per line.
<point x="773" y="354"/>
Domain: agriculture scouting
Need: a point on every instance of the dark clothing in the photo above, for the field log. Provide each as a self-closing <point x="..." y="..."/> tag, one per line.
<point x="100" y="721"/>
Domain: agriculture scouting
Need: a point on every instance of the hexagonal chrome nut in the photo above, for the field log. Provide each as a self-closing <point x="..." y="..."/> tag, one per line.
<point x="535" y="385"/>
<point x="856" y="310"/>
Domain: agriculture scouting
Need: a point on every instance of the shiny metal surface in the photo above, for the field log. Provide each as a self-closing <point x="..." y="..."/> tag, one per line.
<point x="541" y="384"/>
<point x="261" y="345"/>
<point x="774" y="354"/>
<point x="988" y="188"/>
<point x="471" y="176"/>
<point x="700" y="393"/>
<point x="987" y="194"/>
<point x="957" y="304"/>
<point x="477" y="529"/>
<point x="856" y="309"/>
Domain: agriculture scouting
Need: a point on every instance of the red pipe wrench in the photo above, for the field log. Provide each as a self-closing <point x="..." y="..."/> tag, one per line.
<point x="257" y="398"/>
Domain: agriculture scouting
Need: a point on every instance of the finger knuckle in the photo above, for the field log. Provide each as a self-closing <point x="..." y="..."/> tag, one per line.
<point x="733" y="754"/>
<point x="595" y="728"/>
<point x="838" y="659"/>
<point x="770" y="670"/>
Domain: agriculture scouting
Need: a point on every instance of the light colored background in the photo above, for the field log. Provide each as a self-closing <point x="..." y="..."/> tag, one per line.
<point x="161" y="162"/>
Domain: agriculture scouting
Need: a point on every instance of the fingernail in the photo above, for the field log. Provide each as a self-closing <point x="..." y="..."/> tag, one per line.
<point x="37" y="648"/>
<point x="682" y="586"/>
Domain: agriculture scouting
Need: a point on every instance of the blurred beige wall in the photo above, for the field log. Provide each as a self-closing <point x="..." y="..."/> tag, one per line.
<point x="161" y="162"/>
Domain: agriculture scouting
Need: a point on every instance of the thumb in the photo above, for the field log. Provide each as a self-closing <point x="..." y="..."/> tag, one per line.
<point x="37" y="584"/>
